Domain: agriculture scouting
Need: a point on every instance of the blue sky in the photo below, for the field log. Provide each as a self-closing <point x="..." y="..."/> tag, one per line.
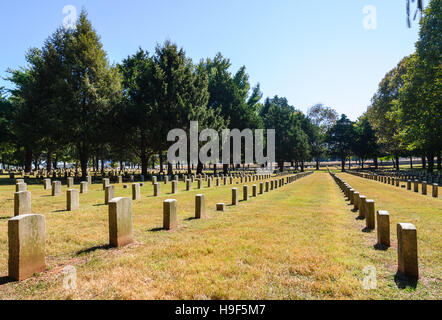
<point x="309" y="51"/>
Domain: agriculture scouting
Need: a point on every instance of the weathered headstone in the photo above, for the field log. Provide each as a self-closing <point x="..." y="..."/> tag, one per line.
<point x="136" y="191"/>
<point x="26" y="238"/>
<point x="105" y="183"/>
<point x="407" y="250"/>
<point x="46" y="184"/>
<point x="383" y="228"/>
<point x="245" y="192"/>
<point x="84" y="186"/>
<point x="220" y="206"/>
<point x="261" y="187"/>
<point x="109" y="193"/>
<point x="56" y="188"/>
<point x="21" y="186"/>
<point x="72" y="199"/>
<point x="424" y="187"/>
<point x="157" y="189"/>
<point x="120" y="222"/>
<point x="170" y="216"/>
<point x="369" y="214"/>
<point x="356" y="201"/>
<point x="416" y="186"/>
<point x="234" y="196"/>
<point x="70" y="182"/>
<point x="174" y="186"/>
<point x="22" y="202"/>
<point x="435" y="190"/>
<point x="254" y="190"/>
<point x="200" y="206"/>
<point x="188" y="184"/>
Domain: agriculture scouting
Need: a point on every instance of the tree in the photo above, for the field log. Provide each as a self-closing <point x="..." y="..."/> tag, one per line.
<point x="420" y="98"/>
<point x="88" y="88"/>
<point x="291" y="142"/>
<point x="365" y="145"/>
<point x="133" y="117"/>
<point x="6" y="128"/>
<point x="323" y="118"/>
<point x="230" y="95"/>
<point x="340" y="138"/>
<point x="383" y="112"/>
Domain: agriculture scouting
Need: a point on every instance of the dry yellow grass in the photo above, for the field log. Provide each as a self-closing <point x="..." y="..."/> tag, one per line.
<point x="297" y="242"/>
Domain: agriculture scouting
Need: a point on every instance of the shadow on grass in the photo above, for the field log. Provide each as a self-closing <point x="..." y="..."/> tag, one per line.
<point x="157" y="229"/>
<point x="354" y="210"/>
<point x="367" y="230"/>
<point x="5" y="218"/>
<point x="98" y="204"/>
<point x="92" y="249"/>
<point x="190" y="219"/>
<point x="360" y="218"/>
<point x="402" y="281"/>
<point x="381" y="247"/>
<point x="5" y="280"/>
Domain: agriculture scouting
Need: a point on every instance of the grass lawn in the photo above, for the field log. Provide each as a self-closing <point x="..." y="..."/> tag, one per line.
<point x="300" y="241"/>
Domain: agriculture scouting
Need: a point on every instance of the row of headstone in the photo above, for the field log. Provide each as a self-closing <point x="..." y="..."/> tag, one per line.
<point x="406" y="232"/>
<point x="404" y="175"/>
<point x="27" y="231"/>
<point x="395" y="181"/>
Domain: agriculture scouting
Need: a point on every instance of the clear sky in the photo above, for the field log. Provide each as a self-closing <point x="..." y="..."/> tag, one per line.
<point x="309" y="51"/>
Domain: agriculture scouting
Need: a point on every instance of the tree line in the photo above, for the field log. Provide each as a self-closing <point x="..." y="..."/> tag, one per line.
<point x="70" y="104"/>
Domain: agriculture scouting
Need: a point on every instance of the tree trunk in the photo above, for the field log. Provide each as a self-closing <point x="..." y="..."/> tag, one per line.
<point x="397" y="162"/>
<point x="84" y="156"/>
<point x="144" y="164"/>
<point x="424" y="163"/>
<point x="56" y="161"/>
<point x="375" y="160"/>
<point x="225" y="168"/>
<point x="438" y="161"/>
<point x="161" y="162"/>
<point x="430" y="162"/>
<point x="199" y="168"/>
<point x="28" y="159"/>
<point x="169" y="169"/>
<point x="49" y="160"/>
<point x="302" y="166"/>
<point x="281" y="166"/>
<point x="411" y="162"/>
<point x="317" y="164"/>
